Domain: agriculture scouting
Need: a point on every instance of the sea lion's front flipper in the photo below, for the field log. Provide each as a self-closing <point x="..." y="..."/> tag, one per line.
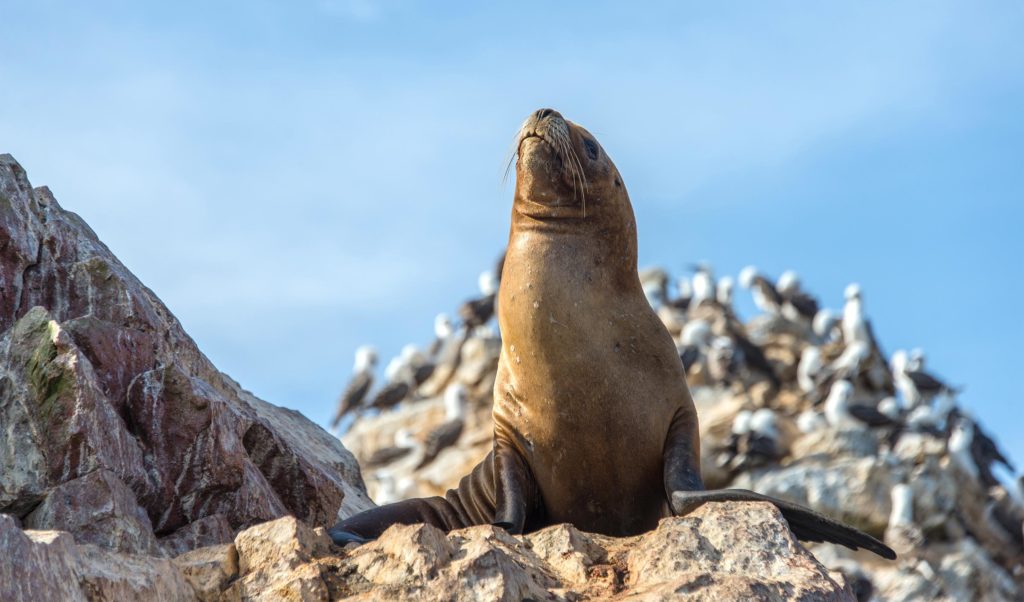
<point x="369" y="524"/>
<point x="515" y="493"/>
<point x="805" y="523"/>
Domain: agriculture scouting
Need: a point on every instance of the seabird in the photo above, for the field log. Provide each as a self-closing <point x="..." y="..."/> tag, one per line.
<point x="973" y="450"/>
<point x="848" y="365"/>
<point x="767" y="299"/>
<point x="443" y="330"/>
<point x="797" y="306"/>
<point x="655" y="284"/>
<point x="419" y="365"/>
<point x="479" y="311"/>
<point x="703" y="283"/>
<point x="809" y="421"/>
<point x="399" y="384"/>
<point x="404" y="443"/>
<point x="722" y="360"/>
<point x="916" y="360"/>
<point x="808" y="368"/>
<point x="824" y="325"/>
<point x="855" y="327"/>
<point x="754" y="439"/>
<point x="915" y="386"/>
<point x="362" y="379"/>
<point x="723" y="291"/>
<point x="685" y="295"/>
<point x="843" y="415"/>
<point x="448" y="432"/>
<point x="959" y="448"/>
<point x="901" y="534"/>
<point x="694" y="341"/>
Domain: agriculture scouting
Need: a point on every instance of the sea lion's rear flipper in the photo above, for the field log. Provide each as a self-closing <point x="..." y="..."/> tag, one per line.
<point x="806" y="524"/>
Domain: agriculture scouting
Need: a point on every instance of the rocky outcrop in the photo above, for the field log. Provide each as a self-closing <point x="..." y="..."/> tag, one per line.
<point x="117" y="428"/>
<point x="728" y="551"/>
<point x="720" y="552"/>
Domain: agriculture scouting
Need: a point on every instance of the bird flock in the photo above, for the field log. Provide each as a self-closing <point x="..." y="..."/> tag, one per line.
<point x="418" y="374"/>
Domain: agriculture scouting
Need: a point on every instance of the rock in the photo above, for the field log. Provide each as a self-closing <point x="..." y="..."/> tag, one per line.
<point x="568" y="551"/>
<point x="105" y="575"/>
<point x="48" y="565"/>
<point x="721" y="551"/>
<point x="274" y="559"/>
<point x="208" y="531"/>
<point x="99" y="509"/>
<point x="728" y="551"/>
<point x="97" y="375"/>
<point x="36" y="571"/>
<point x="209" y="570"/>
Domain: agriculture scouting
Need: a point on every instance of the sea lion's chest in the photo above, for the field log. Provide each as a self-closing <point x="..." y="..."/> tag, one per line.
<point x="588" y="383"/>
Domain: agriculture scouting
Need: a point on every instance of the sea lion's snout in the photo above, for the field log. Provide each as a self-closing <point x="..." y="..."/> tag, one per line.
<point x="548" y="170"/>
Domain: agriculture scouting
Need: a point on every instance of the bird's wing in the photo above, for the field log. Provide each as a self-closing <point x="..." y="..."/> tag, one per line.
<point x="689" y="355"/>
<point x="392" y="394"/>
<point x="352" y="396"/>
<point x="442" y="436"/>
<point x="806" y="524"/>
<point x="422" y="372"/>
<point x="926" y="383"/>
<point x="869" y="415"/>
<point x="386" y="455"/>
<point x="987" y="447"/>
<point x="805" y="304"/>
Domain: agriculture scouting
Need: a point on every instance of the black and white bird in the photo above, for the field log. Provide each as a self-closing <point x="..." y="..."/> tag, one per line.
<point x="766" y="297"/>
<point x="448" y="432"/>
<point x="855" y="326"/>
<point x="845" y="367"/>
<point x="420" y="366"/>
<point x="902" y="534"/>
<point x="353" y="396"/>
<point x="444" y="329"/>
<point x="479" y="311"/>
<point x="824" y="326"/>
<point x="842" y="414"/>
<point x="703" y="282"/>
<point x="797" y="305"/>
<point x="694" y="341"/>
<point x="724" y="291"/>
<point x="753" y="440"/>
<point x="654" y="282"/>
<point x="684" y="295"/>
<point x="973" y="450"/>
<point x="916" y="386"/>
<point x="808" y="368"/>
<point x="916" y="360"/>
<point x="398" y="386"/>
<point x="404" y="444"/>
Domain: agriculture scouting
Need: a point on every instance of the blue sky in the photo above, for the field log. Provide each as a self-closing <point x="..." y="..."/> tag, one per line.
<point x="295" y="179"/>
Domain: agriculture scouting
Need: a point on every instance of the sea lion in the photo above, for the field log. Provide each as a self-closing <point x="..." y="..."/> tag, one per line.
<point x="593" y="421"/>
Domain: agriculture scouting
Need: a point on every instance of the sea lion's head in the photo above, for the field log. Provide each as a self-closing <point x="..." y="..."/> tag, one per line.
<point x="562" y="171"/>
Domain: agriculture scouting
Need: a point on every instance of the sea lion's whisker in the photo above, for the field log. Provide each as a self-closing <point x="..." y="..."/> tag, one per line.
<point x="583" y="180"/>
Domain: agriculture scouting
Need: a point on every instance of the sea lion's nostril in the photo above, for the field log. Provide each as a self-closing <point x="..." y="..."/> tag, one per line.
<point x="542" y="113"/>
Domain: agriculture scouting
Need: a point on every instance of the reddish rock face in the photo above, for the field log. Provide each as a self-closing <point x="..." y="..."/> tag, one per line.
<point x="97" y="374"/>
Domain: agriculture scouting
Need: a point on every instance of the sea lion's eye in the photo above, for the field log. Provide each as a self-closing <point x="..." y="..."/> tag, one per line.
<point x="591" y="147"/>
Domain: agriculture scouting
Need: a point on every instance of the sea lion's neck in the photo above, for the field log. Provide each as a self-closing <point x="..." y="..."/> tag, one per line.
<point x="558" y="245"/>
